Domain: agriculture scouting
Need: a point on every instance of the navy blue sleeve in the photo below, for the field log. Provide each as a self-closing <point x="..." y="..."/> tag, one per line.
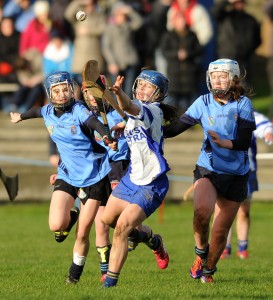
<point x="34" y="112"/>
<point x="185" y="122"/>
<point x="93" y="124"/>
<point x="242" y="143"/>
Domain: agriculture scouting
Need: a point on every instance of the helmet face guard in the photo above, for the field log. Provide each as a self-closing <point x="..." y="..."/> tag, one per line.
<point x="229" y="66"/>
<point x="158" y="80"/>
<point x="91" y="93"/>
<point x="57" y="78"/>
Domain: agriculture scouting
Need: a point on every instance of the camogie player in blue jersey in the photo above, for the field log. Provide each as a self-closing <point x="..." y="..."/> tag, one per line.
<point x="144" y="186"/>
<point x="83" y="167"/>
<point x="221" y="174"/>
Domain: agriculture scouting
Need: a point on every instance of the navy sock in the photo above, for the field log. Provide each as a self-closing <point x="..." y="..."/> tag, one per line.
<point x="203" y="253"/>
<point x="75" y="271"/>
<point x="111" y="279"/>
<point x="139" y="236"/>
<point x="154" y="242"/>
<point x="242" y="245"/>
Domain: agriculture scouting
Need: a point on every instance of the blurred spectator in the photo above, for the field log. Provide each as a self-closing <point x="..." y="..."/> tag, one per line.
<point x="37" y="33"/>
<point x="30" y="77"/>
<point x="21" y="11"/>
<point x="9" y="51"/>
<point x="199" y="21"/>
<point x="58" y="54"/>
<point x="118" y="46"/>
<point x="57" y="9"/>
<point x="155" y="25"/>
<point x="196" y="16"/>
<point x="234" y="24"/>
<point x="268" y="8"/>
<point x="183" y="52"/>
<point x="87" y="42"/>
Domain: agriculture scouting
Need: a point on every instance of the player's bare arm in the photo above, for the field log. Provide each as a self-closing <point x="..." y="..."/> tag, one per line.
<point x="124" y="101"/>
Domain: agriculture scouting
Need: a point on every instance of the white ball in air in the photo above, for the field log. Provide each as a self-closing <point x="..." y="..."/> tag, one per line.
<point x="81" y="15"/>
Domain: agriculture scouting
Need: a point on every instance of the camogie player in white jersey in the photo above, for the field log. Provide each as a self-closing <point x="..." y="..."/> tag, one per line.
<point x="263" y="131"/>
<point x="83" y="167"/>
<point x="221" y="173"/>
<point x="144" y="186"/>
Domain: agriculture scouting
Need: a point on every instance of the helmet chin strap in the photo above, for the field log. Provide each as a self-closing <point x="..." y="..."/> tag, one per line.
<point x="219" y="93"/>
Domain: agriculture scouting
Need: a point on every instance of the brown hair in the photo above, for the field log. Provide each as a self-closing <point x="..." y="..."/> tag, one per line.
<point x="239" y="87"/>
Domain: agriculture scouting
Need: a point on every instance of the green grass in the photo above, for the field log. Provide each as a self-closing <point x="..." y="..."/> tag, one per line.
<point x="33" y="265"/>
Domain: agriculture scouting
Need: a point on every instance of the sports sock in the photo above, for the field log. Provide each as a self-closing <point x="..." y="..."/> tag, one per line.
<point x="77" y="266"/>
<point x="103" y="254"/>
<point x="111" y="279"/>
<point x="139" y="236"/>
<point x="228" y="247"/>
<point x="242" y="245"/>
<point x="203" y="253"/>
<point x="208" y="272"/>
<point x="153" y="242"/>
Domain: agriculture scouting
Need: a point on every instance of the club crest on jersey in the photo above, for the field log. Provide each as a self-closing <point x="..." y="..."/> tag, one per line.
<point x="73" y="129"/>
<point x="211" y="120"/>
<point x="50" y="129"/>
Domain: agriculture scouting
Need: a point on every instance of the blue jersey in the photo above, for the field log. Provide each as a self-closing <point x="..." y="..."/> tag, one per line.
<point x="224" y="120"/>
<point x="79" y="164"/>
<point x="144" y="135"/>
<point x="123" y="152"/>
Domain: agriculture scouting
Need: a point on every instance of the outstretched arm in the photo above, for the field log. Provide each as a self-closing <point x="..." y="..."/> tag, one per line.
<point x="34" y="112"/>
<point x="124" y="101"/>
<point x="15" y="117"/>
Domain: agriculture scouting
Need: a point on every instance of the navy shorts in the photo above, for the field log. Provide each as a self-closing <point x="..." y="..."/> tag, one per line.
<point x="149" y="197"/>
<point x="99" y="191"/>
<point x="252" y="183"/>
<point x="231" y="187"/>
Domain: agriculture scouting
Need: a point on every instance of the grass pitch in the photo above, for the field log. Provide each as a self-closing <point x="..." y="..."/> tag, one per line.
<point x="33" y="265"/>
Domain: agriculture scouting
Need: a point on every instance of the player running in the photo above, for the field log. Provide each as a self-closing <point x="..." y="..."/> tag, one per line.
<point x="221" y="173"/>
<point x="83" y="167"/>
<point x="144" y="186"/>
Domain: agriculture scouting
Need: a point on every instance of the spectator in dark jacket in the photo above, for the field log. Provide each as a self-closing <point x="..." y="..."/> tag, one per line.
<point x="234" y="24"/>
<point x="183" y="53"/>
<point x="9" y="52"/>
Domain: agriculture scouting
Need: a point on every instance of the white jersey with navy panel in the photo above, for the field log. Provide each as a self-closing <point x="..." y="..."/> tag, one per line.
<point x="122" y="153"/>
<point x="144" y="136"/>
<point x="80" y="165"/>
<point x="263" y="126"/>
<point x="224" y="120"/>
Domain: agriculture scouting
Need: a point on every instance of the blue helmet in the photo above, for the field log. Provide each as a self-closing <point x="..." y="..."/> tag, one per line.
<point x="56" y="78"/>
<point x="158" y="80"/>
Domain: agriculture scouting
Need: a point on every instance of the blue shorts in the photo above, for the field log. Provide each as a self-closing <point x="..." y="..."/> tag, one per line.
<point x="252" y="183"/>
<point x="149" y="197"/>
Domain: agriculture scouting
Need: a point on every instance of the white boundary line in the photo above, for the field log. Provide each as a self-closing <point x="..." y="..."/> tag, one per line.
<point x="264" y="156"/>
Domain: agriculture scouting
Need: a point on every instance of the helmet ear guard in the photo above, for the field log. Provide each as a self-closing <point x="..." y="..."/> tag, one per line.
<point x="222" y="65"/>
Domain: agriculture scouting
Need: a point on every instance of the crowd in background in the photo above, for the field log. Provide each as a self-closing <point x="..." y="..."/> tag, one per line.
<point x="176" y="37"/>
